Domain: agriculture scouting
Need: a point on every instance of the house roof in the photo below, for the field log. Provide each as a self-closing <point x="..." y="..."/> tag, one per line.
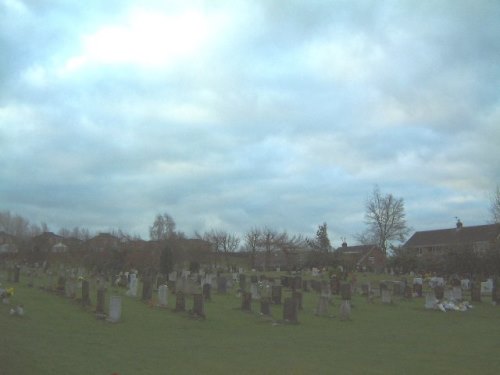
<point x="478" y="233"/>
<point x="357" y="249"/>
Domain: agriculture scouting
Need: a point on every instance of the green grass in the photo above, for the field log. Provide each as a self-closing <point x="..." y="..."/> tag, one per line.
<point x="57" y="336"/>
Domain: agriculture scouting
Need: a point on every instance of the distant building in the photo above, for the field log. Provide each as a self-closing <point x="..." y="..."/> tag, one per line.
<point x="7" y="243"/>
<point x="479" y="238"/>
<point x="362" y="257"/>
<point x="48" y="242"/>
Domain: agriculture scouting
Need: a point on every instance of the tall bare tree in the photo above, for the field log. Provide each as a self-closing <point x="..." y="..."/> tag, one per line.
<point x="495" y="205"/>
<point x="163" y="227"/>
<point x="222" y="242"/>
<point x="385" y="217"/>
<point x="252" y="243"/>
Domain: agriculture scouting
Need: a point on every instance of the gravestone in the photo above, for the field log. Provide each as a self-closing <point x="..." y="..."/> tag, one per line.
<point x="323" y="306"/>
<point x="265" y="306"/>
<point x="297" y="296"/>
<point x="408" y="292"/>
<point x="254" y="290"/>
<point x="115" y="309"/>
<point x="85" y="293"/>
<point x="386" y="296"/>
<point x="246" y="301"/>
<point x="396" y="288"/>
<point x="198" y="307"/>
<point x="61" y="283"/>
<point x="345" y="305"/>
<point x="465" y="284"/>
<point x="430" y="300"/>
<point x="365" y="289"/>
<point x="475" y="291"/>
<point x="132" y="285"/>
<point x="276" y="294"/>
<point x="456" y="293"/>
<point x="222" y="285"/>
<point x="243" y="281"/>
<point x="147" y="289"/>
<point x="382" y="286"/>
<point x="439" y="292"/>
<point x="100" y="308"/>
<point x="290" y="310"/>
<point x="448" y="294"/>
<point x="335" y="285"/>
<point x="162" y="296"/>
<point x="418" y="286"/>
<point x="180" y="302"/>
<point x="207" y="291"/>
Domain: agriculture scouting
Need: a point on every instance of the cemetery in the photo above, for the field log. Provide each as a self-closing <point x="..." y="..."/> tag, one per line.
<point x="67" y="320"/>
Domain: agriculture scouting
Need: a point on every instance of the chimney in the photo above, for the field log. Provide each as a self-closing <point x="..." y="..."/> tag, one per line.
<point x="344" y="244"/>
<point x="459" y="224"/>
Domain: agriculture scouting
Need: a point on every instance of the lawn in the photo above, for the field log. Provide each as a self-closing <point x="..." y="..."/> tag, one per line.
<point x="58" y="336"/>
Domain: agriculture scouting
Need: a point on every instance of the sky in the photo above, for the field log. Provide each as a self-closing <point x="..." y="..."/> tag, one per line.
<point x="239" y="114"/>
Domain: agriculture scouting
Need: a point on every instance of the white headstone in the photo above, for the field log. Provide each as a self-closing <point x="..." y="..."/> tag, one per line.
<point x="162" y="296"/>
<point x="172" y="276"/>
<point x="132" y="286"/>
<point x="386" y="296"/>
<point x="115" y="309"/>
<point x="254" y="290"/>
<point x="487" y="287"/>
<point x="457" y="293"/>
<point x="465" y="283"/>
<point x="430" y="300"/>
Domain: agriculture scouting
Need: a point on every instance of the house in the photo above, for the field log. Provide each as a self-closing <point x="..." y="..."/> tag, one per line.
<point x="48" y="242"/>
<point x="479" y="238"/>
<point x="103" y="241"/>
<point x="363" y="257"/>
<point x="7" y="243"/>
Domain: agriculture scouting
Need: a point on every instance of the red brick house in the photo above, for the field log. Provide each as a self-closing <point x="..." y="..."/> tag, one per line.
<point x="362" y="257"/>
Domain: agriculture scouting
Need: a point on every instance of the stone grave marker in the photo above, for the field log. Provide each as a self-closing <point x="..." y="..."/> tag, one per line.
<point x="465" y="284"/>
<point x="365" y="289"/>
<point x="254" y="290"/>
<point x="335" y="284"/>
<point x="386" y="295"/>
<point x="456" y="293"/>
<point x="439" y="292"/>
<point x="180" y="302"/>
<point x="246" y="301"/>
<point x="243" y="280"/>
<point x="325" y="290"/>
<point x="85" y="293"/>
<point x="265" y="306"/>
<point x="323" y="306"/>
<point x="345" y="305"/>
<point x="290" y="310"/>
<point x="430" y="300"/>
<point x="100" y="308"/>
<point x="417" y="286"/>
<point x="475" y="291"/>
<point x="222" y="285"/>
<point x="162" y="296"/>
<point x="198" y="306"/>
<point x="298" y="299"/>
<point x="132" y="285"/>
<point x="448" y="294"/>
<point x="276" y="294"/>
<point x="115" y="309"/>
<point x="147" y="289"/>
<point x="207" y="292"/>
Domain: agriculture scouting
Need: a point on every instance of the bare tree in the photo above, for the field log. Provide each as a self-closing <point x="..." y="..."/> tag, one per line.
<point x="163" y="227"/>
<point x="15" y="225"/>
<point x="271" y="241"/>
<point x="495" y="205"/>
<point x="252" y="243"/>
<point x="385" y="217"/>
<point x="222" y="242"/>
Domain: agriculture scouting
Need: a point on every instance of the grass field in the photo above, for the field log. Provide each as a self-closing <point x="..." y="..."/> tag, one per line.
<point x="57" y="336"/>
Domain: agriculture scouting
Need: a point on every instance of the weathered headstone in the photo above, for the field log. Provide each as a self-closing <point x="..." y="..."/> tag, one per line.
<point x="100" y="308"/>
<point x="475" y="291"/>
<point x="290" y="310"/>
<point x="456" y="293"/>
<point x="180" y="302"/>
<point x="147" y="289"/>
<point x="198" y="306"/>
<point x="115" y="309"/>
<point x="297" y="296"/>
<point x="323" y="306"/>
<point x="254" y="290"/>
<point x="386" y="296"/>
<point x="85" y="293"/>
<point x="276" y="294"/>
<point x="162" y="296"/>
<point x="430" y="300"/>
<point x="222" y="285"/>
<point x="345" y="305"/>
<point x="242" y="281"/>
<point x="207" y="291"/>
<point x="265" y="306"/>
<point x="246" y="301"/>
<point x="439" y="292"/>
<point x="132" y="285"/>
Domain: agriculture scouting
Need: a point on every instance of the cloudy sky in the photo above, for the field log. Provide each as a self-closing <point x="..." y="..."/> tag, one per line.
<point x="239" y="114"/>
